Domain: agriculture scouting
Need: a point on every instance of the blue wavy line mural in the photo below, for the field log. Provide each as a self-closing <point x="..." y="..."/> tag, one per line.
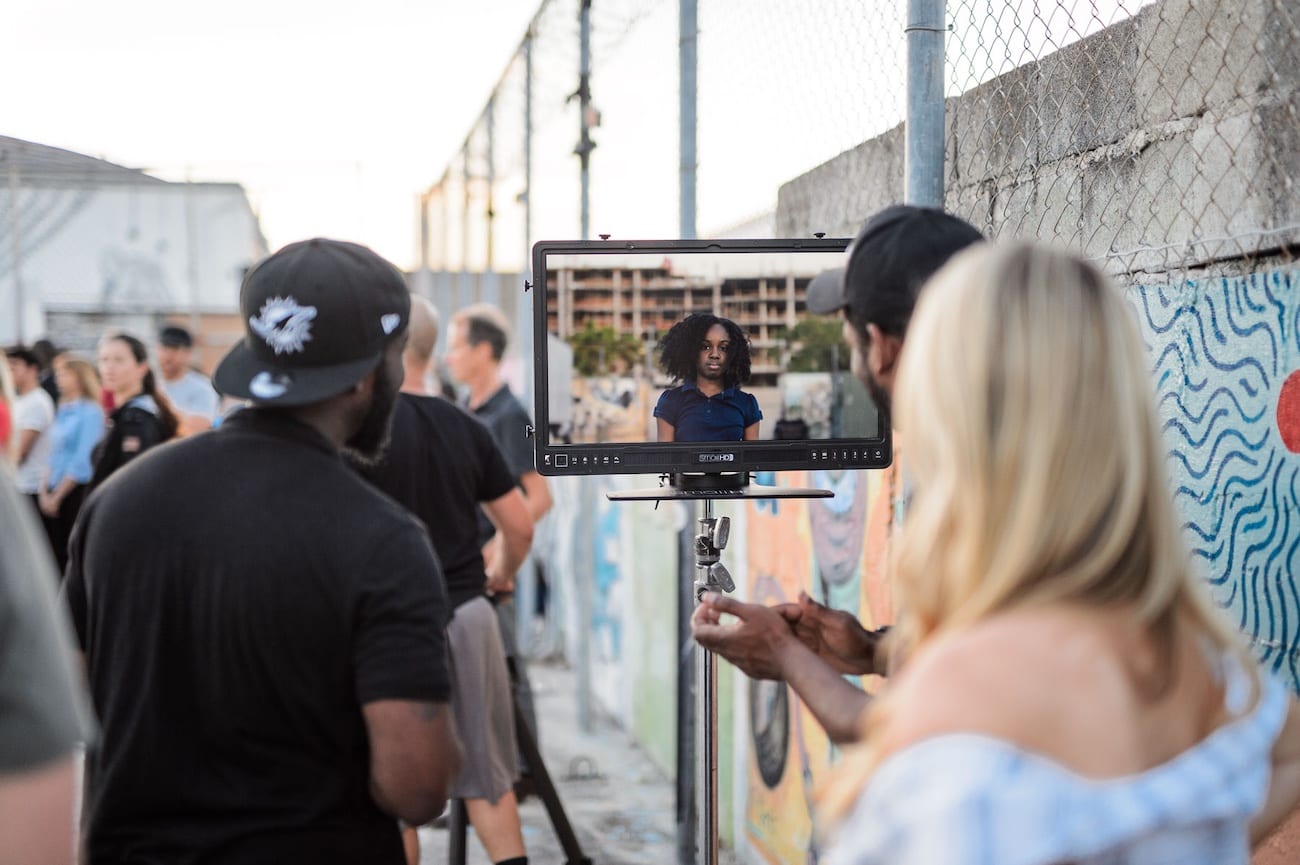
<point x="1226" y="356"/>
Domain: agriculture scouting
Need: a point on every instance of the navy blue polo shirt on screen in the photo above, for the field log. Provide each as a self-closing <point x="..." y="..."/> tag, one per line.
<point x="695" y="417"/>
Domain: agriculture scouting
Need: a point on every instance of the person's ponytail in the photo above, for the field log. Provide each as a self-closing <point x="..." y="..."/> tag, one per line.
<point x="166" y="412"/>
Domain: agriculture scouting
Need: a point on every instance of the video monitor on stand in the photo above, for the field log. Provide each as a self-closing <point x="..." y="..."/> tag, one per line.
<point x="687" y="358"/>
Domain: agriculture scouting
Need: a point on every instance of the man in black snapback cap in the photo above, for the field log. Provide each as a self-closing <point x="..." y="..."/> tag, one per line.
<point x="807" y="644"/>
<point x="896" y="251"/>
<point x="264" y="632"/>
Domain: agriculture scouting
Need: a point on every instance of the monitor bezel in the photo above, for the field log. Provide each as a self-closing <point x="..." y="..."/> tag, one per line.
<point x="650" y="458"/>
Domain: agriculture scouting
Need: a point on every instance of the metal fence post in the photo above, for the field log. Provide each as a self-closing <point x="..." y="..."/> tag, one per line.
<point x="688" y="28"/>
<point x="585" y="144"/>
<point x="924" y="130"/>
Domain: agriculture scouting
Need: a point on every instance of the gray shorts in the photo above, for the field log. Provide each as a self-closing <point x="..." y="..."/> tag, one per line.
<point x="481" y="704"/>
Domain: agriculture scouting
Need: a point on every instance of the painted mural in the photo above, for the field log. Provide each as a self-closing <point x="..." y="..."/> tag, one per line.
<point x="833" y="549"/>
<point x="1226" y="360"/>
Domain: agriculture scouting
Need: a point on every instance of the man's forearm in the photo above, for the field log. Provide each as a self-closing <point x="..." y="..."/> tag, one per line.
<point x="510" y="555"/>
<point x="835" y="703"/>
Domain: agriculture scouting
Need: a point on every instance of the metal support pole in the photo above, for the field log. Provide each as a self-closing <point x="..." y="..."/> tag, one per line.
<point x="710" y="576"/>
<point x="688" y="30"/>
<point x="687" y="814"/>
<point x="424" y="229"/>
<point x="15" y="239"/>
<point x="585" y="144"/>
<point x="925" y="110"/>
<point x="464" y="210"/>
<point x="491" y="179"/>
<point x="444" y="260"/>
<point x="528" y="154"/>
<point x="584" y="571"/>
<point x="192" y="258"/>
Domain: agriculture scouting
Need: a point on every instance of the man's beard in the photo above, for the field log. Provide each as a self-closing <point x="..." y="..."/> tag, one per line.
<point x="879" y="395"/>
<point x="368" y="443"/>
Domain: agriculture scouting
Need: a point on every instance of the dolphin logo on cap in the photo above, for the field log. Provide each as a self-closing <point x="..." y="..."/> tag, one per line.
<point x="283" y="324"/>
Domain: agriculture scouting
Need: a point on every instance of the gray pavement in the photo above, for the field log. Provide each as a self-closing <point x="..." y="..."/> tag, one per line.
<point x="620" y="803"/>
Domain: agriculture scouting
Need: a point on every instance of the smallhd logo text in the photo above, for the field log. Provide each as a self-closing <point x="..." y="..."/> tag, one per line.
<point x="717" y="458"/>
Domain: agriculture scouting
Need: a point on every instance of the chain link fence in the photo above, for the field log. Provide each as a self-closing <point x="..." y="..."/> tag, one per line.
<point x="1159" y="137"/>
<point x="1155" y="137"/>
<point x="1148" y="134"/>
<point x="781" y="88"/>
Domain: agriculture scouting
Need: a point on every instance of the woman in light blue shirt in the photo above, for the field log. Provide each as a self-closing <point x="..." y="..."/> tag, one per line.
<point x="1068" y="690"/>
<point x="78" y="427"/>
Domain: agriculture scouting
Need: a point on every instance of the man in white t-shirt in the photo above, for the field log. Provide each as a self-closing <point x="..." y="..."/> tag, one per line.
<point x="33" y="415"/>
<point x="190" y="392"/>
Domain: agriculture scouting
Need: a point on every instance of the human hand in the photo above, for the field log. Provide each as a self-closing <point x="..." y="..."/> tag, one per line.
<point x="756" y="644"/>
<point x="48" y="503"/>
<point x="837" y="637"/>
<point x="499" y="584"/>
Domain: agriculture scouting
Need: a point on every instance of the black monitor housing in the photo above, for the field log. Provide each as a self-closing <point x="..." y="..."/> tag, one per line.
<point x="600" y="309"/>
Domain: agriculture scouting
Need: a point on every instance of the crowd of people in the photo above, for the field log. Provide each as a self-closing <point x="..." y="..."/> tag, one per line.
<point x="67" y="423"/>
<point x="288" y="625"/>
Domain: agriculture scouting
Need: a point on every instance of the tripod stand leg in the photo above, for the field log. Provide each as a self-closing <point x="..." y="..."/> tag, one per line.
<point x="457" y="823"/>
<point x="546" y="791"/>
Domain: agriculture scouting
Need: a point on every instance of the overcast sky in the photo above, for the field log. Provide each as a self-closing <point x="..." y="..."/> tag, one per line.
<point x="334" y="114"/>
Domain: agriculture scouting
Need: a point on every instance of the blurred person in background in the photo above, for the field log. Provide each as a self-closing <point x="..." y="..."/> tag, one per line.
<point x="44" y="714"/>
<point x="477" y="339"/>
<point x="190" y="391"/>
<point x="45" y="352"/>
<point x="441" y="465"/>
<point x="7" y="397"/>
<point x="33" y="412"/>
<point x="1069" y="692"/>
<point x="263" y="630"/>
<point x="142" y="416"/>
<point x="78" y="427"/>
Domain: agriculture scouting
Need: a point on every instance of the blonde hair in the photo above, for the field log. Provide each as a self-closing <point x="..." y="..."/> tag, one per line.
<point x="1033" y="440"/>
<point x="85" y="373"/>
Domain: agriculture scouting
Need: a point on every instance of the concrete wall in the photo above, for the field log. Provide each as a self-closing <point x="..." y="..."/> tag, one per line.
<point x="1165" y="142"/>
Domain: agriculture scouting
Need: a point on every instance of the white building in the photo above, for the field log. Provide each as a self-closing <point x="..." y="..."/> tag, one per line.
<point x="87" y="245"/>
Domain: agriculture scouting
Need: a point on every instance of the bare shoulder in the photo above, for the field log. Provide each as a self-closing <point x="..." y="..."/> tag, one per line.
<point x="1000" y="678"/>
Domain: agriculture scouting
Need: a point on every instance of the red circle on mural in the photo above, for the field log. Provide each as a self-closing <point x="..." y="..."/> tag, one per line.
<point x="1288" y="412"/>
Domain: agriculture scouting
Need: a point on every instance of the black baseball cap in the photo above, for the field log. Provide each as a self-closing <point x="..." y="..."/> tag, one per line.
<point x="896" y="251"/>
<point x="175" y="336"/>
<point x="318" y="315"/>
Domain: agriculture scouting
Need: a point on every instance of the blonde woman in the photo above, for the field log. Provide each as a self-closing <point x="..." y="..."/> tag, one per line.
<point x="1070" y="694"/>
<point x="78" y="427"/>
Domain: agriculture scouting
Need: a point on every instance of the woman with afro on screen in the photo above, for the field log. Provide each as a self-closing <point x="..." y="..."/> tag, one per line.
<point x="709" y="355"/>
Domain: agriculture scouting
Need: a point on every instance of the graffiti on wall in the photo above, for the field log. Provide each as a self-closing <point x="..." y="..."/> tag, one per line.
<point x="833" y="549"/>
<point x="1226" y="360"/>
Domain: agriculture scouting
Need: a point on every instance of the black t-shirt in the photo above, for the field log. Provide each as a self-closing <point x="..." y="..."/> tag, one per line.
<point x="240" y="595"/>
<point x="132" y="429"/>
<point x="508" y="420"/>
<point x="440" y="464"/>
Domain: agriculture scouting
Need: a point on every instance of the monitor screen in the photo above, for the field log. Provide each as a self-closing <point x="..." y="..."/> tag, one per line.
<point x="688" y="356"/>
